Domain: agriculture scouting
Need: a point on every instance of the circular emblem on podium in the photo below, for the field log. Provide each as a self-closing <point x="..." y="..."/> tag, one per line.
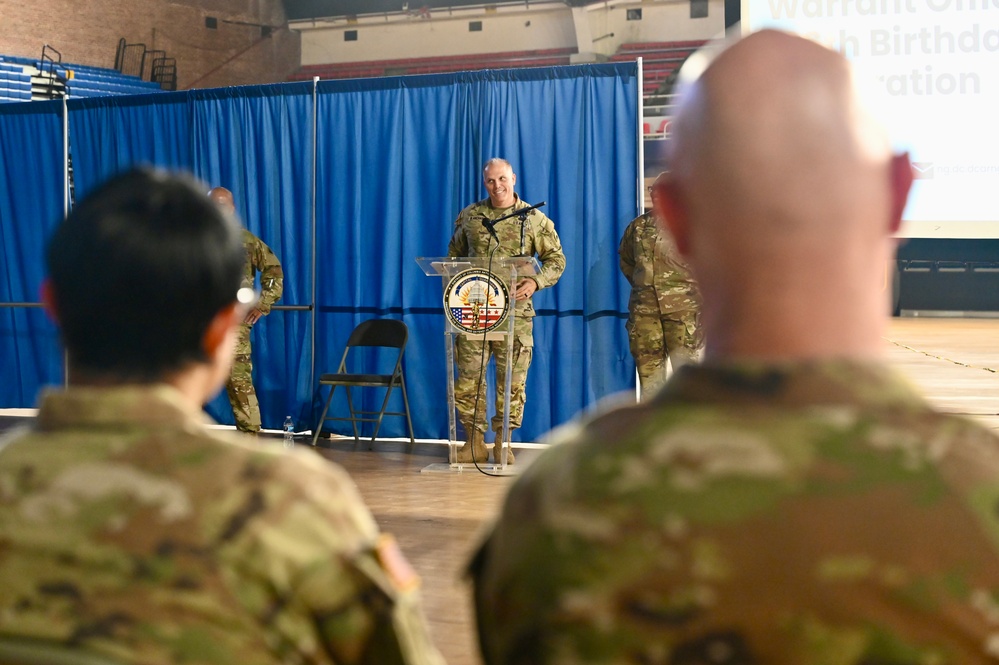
<point x="476" y="301"/>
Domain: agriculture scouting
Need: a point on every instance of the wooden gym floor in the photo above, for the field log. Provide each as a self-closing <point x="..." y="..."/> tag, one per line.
<point x="436" y="517"/>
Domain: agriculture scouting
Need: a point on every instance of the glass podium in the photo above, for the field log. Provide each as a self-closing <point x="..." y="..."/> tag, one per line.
<point x="478" y="303"/>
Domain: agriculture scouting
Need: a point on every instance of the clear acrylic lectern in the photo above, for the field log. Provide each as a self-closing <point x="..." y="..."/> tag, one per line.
<point x="478" y="302"/>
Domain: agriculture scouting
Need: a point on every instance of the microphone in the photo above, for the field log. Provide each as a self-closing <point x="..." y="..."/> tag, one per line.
<point x="490" y="224"/>
<point x="522" y="213"/>
<point x="491" y="227"/>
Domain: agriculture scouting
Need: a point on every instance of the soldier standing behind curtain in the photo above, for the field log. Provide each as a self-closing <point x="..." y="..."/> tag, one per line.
<point x="664" y="304"/>
<point x="259" y="258"/>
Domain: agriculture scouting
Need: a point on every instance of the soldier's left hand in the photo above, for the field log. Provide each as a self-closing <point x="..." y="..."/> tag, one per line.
<point x="525" y="289"/>
<point x="253" y="316"/>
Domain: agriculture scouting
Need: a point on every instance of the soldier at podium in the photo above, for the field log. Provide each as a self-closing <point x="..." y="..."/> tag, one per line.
<point x="535" y="235"/>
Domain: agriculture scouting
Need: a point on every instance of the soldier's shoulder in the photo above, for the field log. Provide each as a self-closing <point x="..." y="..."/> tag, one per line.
<point x="197" y="461"/>
<point x="542" y="220"/>
<point x="578" y="443"/>
<point x="473" y="209"/>
<point x="304" y="469"/>
<point x="646" y="223"/>
<point x="633" y="227"/>
<point x="249" y="238"/>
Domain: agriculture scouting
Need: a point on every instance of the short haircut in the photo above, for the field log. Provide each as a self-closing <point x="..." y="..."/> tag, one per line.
<point x="138" y="271"/>
<point x="493" y="162"/>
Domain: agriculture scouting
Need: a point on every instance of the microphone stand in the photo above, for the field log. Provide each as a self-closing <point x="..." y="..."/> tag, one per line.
<point x="490" y="224"/>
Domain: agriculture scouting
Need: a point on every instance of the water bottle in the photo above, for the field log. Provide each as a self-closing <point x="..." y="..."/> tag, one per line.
<point x="289" y="432"/>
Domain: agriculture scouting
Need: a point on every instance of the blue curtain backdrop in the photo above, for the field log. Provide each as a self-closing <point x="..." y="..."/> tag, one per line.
<point x="399" y="158"/>
<point x="257" y="142"/>
<point x="109" y="135"/>
<point x="32" y="180"/>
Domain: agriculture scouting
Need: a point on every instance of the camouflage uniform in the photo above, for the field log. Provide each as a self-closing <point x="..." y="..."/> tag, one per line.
<point x="242" y="395"/>
<point x="663" y="307"/>
<point x="799" y="514"/>
<point x="130" y="529"/>
<point x="536" y="235"/>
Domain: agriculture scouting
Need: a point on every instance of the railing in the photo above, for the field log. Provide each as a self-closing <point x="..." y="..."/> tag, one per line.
<point x="148" y="59"/>
<point x="47" y="52"/>
<point x="164" y="72"/>
<point x="53" y="77"/>
<point x="657" y="110"/>
<point x="130" y="59"/>
<point x="147" y="64"/>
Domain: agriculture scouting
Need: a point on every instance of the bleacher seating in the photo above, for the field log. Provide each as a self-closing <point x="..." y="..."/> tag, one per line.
<point x="24" y="79"/>
<point x="436" y="65"/>
<point x="15" y="84"/>
<point x="660" y="60"/>
<point x="84" y="81"/>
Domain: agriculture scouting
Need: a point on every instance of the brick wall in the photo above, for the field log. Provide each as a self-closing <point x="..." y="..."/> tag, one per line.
<point x="87" y="32"/>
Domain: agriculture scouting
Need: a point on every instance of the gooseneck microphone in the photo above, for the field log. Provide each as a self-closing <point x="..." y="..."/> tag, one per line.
<point x="490" y="224"/>
<point x="491" y="227"/>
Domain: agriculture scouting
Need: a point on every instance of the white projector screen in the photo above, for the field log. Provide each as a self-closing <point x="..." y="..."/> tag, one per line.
<point x="932" y="68"/>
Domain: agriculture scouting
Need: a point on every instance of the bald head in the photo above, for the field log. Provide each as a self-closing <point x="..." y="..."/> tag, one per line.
<point x="782" y="185"/>
<point x="774" y="133"/>
<point x="222" y="197"/>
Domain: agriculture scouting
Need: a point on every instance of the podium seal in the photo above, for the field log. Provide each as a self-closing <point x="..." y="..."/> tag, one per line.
<point x="476" y="301"/>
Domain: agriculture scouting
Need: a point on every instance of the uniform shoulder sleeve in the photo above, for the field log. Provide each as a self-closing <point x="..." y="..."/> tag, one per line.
<point x="266" y="262"/>
<point x="626" y="251"/>
<point x="315" y="553"/>
<point x="548" y="247"/>
<point x="458" y="246"/>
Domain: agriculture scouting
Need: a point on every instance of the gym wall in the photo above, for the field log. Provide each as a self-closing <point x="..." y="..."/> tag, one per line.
<point x="249" y="44"/>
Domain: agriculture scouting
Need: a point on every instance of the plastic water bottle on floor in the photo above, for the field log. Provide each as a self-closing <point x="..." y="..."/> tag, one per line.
<point x="289" y="432"/>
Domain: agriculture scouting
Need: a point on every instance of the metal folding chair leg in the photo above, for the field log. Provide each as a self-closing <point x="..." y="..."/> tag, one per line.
<point x="322" y="417"/>
<point x="405" y="402"/>
<point x="353" y="415"/>
<point x="381" y="413"/>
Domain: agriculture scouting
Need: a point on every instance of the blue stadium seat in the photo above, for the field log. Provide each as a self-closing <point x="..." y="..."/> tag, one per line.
<point x="82" y="80"/>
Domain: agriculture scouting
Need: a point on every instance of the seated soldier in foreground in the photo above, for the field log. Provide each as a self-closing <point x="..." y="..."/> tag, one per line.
<point x="128" y="528"/>
<point x="793" y="501"/>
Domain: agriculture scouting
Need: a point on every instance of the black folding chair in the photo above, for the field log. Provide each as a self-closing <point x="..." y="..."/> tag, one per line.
<point x="386" y="333"/>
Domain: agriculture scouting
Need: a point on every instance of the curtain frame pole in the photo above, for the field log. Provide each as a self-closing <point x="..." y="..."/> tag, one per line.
<point x="641" y="171"/>
<point x="315" y="239"/>
<point x="65" y="210"/>
<point x="641" y="135"/>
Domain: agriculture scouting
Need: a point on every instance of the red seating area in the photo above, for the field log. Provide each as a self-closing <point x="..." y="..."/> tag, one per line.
<point x="659" y="59"/>
<point x="436" y="65"/>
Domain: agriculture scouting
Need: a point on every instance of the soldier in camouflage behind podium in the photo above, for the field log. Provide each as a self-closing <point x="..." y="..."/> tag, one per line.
<point x="131" y="530"/>
<point x="662" y="322"/>
<point x="534" y="235"/>
<point x="259" y="258"/>
<point x="790" y="500"/>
